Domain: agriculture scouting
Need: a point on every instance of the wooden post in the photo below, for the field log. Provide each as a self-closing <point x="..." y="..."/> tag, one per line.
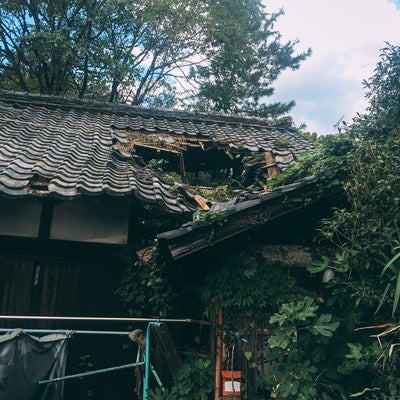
<point x="218" y="361"/>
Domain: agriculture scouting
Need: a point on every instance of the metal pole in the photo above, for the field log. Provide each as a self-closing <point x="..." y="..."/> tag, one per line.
<point x="98" y="371"/>
<point x="63" y="331"/>
<point x="147" y="359"/>
<point x="157" y="378"/>
<point x="110" y="319"/>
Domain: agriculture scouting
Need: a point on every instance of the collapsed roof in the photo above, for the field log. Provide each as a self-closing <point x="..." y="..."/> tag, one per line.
<point x="52" y="146"/>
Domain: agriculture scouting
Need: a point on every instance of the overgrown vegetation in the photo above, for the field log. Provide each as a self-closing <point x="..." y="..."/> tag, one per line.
<point x="147" y="289"/>
<point x="286" y="333"/>
<point x="366" y="288"/>
<point x="367" y="233"/>
<point x="329" y="163"/>
<point x="338" y="339"/>
<point x="195" y="382"/>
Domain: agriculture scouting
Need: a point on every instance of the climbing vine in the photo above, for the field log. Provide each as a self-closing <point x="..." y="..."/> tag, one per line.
<point x="146" y="288"/>
<point x="195" y="381"/>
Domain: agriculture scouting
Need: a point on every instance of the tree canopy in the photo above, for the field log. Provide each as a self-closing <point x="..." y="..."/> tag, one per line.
<point x="224" y="53"/>
<point x="245" y="56"/>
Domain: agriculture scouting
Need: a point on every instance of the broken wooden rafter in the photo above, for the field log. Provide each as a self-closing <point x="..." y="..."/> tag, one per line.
<point x="162" y="141"/>
<point x="200" y="201"/>
<point x="146" y="253"/>
<point x="158" y="148"/>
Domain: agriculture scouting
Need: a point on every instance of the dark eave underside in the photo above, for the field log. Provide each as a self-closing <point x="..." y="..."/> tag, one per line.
<point x="196" y="236"/>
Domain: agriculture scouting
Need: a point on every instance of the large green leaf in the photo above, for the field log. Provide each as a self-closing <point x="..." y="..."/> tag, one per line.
<point x="324" y="326"/>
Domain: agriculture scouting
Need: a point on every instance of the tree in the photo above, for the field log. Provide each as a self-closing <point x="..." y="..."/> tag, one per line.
<point x="126" y="51"/>
<point x="141" y="52"/>
<point x="384" y="94"/>
<point x="245" y="56"/>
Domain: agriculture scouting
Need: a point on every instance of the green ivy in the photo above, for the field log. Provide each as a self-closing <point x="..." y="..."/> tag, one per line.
<point x="146" y="289"/>
<point x="195" y="382"/>
<point x="296" y="333"/>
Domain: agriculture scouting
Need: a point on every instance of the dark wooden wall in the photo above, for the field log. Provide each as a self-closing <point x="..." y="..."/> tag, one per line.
<point x="61" y="278"/>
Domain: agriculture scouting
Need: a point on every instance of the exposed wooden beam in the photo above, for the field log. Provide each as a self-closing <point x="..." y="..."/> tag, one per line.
<point x="291" y="255"/>
<point x="46" y="218"/>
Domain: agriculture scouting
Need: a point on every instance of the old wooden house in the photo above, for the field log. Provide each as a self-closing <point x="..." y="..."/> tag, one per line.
<point x="88" y="188"/>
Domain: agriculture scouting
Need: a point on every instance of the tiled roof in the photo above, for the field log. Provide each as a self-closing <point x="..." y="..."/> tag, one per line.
<point x="74" y="148"/>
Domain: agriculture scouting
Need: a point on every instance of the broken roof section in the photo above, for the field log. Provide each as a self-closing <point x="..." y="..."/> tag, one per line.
<point x="234" y="219"/>
<point x="67" y="148"/>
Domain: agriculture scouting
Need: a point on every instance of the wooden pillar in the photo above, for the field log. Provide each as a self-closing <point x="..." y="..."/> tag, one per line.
<point x="218" y="361"/>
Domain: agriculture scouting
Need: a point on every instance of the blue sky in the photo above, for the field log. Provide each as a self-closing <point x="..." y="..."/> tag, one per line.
<point x="346" y="37"/>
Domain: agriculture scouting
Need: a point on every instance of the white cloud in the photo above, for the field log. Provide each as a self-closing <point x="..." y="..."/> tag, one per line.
<point x="345" y="36"/>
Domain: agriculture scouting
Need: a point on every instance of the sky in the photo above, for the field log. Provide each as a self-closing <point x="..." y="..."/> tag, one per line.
<point x="345" y="37"/>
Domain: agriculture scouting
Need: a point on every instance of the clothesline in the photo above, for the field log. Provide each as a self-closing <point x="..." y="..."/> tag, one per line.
<point x="50" y="331"/>
<point x="109" y="319"/>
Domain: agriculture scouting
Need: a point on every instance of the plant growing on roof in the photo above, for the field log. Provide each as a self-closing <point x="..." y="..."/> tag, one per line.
<point x="282" y="144"/>
<point x="328" y="163"/>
